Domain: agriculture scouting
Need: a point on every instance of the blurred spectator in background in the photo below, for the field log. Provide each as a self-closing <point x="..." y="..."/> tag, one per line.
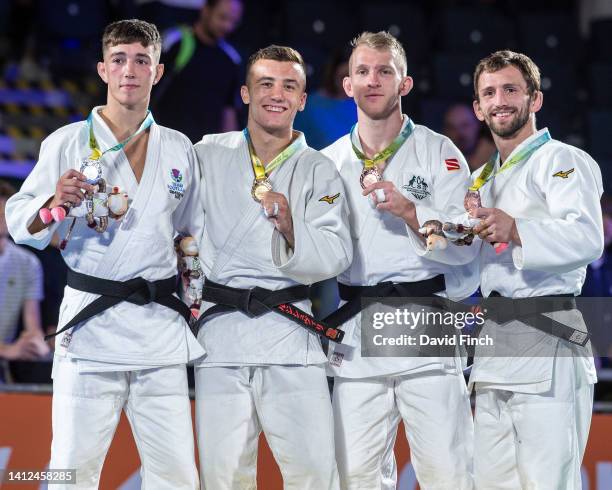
<point x="462" y="127"/>
<point x="329" y="112"/>
<point x="199" y="92"/>
<point x="20" y="293"/>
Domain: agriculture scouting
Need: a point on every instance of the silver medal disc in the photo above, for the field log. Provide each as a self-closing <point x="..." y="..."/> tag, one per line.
<point x="92" y="170"/>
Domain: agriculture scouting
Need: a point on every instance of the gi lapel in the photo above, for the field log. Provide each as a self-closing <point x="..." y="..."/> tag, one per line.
<point x="279" y="178"/>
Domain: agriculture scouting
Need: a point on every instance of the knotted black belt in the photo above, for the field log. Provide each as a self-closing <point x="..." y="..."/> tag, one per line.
<point x="137" y="291"/>
<point x="257" y="301"/>
<point x="353" y="295"/>
<point x="530" y="311"/>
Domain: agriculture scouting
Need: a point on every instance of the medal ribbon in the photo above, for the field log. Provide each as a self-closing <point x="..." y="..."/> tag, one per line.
<point x="262" y="171"/>
<point x="520" y="157"/>
<point x="382" y="155"/>
<point x="96" y="153"/>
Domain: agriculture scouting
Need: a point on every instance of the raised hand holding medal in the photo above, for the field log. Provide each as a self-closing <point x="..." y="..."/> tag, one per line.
<point x="274" y="205"/>
<point x="89" y="187"/>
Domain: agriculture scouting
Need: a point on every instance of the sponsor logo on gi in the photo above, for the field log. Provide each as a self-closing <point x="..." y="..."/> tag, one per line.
<point x="417" y="187"/>
<point x="330" y="199"/>
<point x="176" y="187"/>
<point x="563" y="174"/>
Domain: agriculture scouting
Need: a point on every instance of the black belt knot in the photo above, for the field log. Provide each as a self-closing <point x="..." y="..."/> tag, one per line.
<point x="142" y="293"/>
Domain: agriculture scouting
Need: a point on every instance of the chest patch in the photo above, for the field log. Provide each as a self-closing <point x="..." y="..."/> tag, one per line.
<point x="176" y="187"/>
<point x="417" y="187"/>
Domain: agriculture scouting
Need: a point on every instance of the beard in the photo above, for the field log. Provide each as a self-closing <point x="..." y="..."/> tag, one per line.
<point x="384" y="112"/>
<point x="521" y="118"/>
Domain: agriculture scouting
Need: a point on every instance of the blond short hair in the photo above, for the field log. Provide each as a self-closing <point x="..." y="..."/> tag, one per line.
<point x="382" y="41"/>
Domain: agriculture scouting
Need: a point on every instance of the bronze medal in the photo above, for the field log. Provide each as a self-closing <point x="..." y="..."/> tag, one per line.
<point x="260" y="188"/>
<point x="369" y="176"/>
<point x="472" y="201"/>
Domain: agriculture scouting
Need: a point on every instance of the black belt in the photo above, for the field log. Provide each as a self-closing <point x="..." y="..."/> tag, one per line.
<point x="137" y="291"/>
<point x="530" y="311"/>
<point x="353" y="295"/>
<point x="257" y="301"/>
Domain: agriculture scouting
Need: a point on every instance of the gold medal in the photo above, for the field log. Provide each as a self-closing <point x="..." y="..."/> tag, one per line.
<point x="369" y="176"/>
<point x="260" y="188"/>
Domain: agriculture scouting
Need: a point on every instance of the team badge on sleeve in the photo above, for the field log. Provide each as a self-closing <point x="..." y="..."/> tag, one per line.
<point x="330" y="199"/>
<point x="564" y="174"/>
<point x="452" y="164"/>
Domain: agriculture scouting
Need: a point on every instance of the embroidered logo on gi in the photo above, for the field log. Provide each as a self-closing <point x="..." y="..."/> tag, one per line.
<point x="452" y="164"/>
<point x="176" y="187"/>
<point x="330" y="199"/>
<point x="417" y="187"/>
<point x="562" y="174"/>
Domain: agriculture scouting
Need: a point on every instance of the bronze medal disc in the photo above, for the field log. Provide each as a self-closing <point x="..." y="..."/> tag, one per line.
<point x="369" y="176"/>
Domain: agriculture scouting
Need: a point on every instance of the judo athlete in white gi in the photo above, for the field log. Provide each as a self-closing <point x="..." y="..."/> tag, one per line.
<point x="128" y="356"/>
<point x="416" y="173"/>
<point x="534" y="404"/>
<point x="275" y="221"/>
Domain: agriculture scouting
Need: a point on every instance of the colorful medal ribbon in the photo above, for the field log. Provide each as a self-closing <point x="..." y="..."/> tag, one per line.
<point x="262" y="171"/>
<point x="382" y="155"/>
<point x="96" y="153"/>
<point x="521" y="157"/>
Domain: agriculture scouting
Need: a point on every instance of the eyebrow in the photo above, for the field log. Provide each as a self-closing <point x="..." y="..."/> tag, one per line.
<point x="123" y="53"/>
<point x="362" y="65"/>
<point x="505" y="85"/>
<point x="272" y="79"/>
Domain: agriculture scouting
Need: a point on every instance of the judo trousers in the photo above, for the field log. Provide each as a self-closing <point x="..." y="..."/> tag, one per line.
<point x="435" y="408"/>
<point x="86" y="411"/>
<point x="533" y="441"/>
<point x="290" y="404"/>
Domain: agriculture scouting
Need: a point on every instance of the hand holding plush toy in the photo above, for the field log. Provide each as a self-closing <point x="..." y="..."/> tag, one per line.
<point x="191" y="271"/>
<point x="83" y="198"/>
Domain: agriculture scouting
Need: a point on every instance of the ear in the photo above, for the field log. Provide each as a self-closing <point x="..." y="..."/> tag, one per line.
<point x="406" y="86"/>
<point x="478" y="111"/>
<point x="102" y="71"/>
<point x="536" y="101"/>
<point x="348" y="86"/>
<point x="244" y="94"/>
<point x="159" y="72"/>
<point x="303" y="102"/>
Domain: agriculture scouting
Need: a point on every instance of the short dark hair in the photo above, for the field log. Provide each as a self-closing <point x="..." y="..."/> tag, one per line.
<point x="502" y="59"/>
<point x="6" y="189"/>
<point x="132" y="31"/>
<point x="275" y="53"/>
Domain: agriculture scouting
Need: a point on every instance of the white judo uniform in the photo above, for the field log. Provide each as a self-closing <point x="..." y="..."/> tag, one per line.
<point x="533" y="406"/>
<point x="266" y="373"/>
<point x="371" y="394"/>
<point x="129" y="356"/>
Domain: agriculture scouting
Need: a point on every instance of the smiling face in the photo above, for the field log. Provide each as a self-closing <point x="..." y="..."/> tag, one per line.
<point x="275" y="92"/>
<point x="130" y="71"/>
<point x="375" y="81"/>
<point x="504" y="103"/>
